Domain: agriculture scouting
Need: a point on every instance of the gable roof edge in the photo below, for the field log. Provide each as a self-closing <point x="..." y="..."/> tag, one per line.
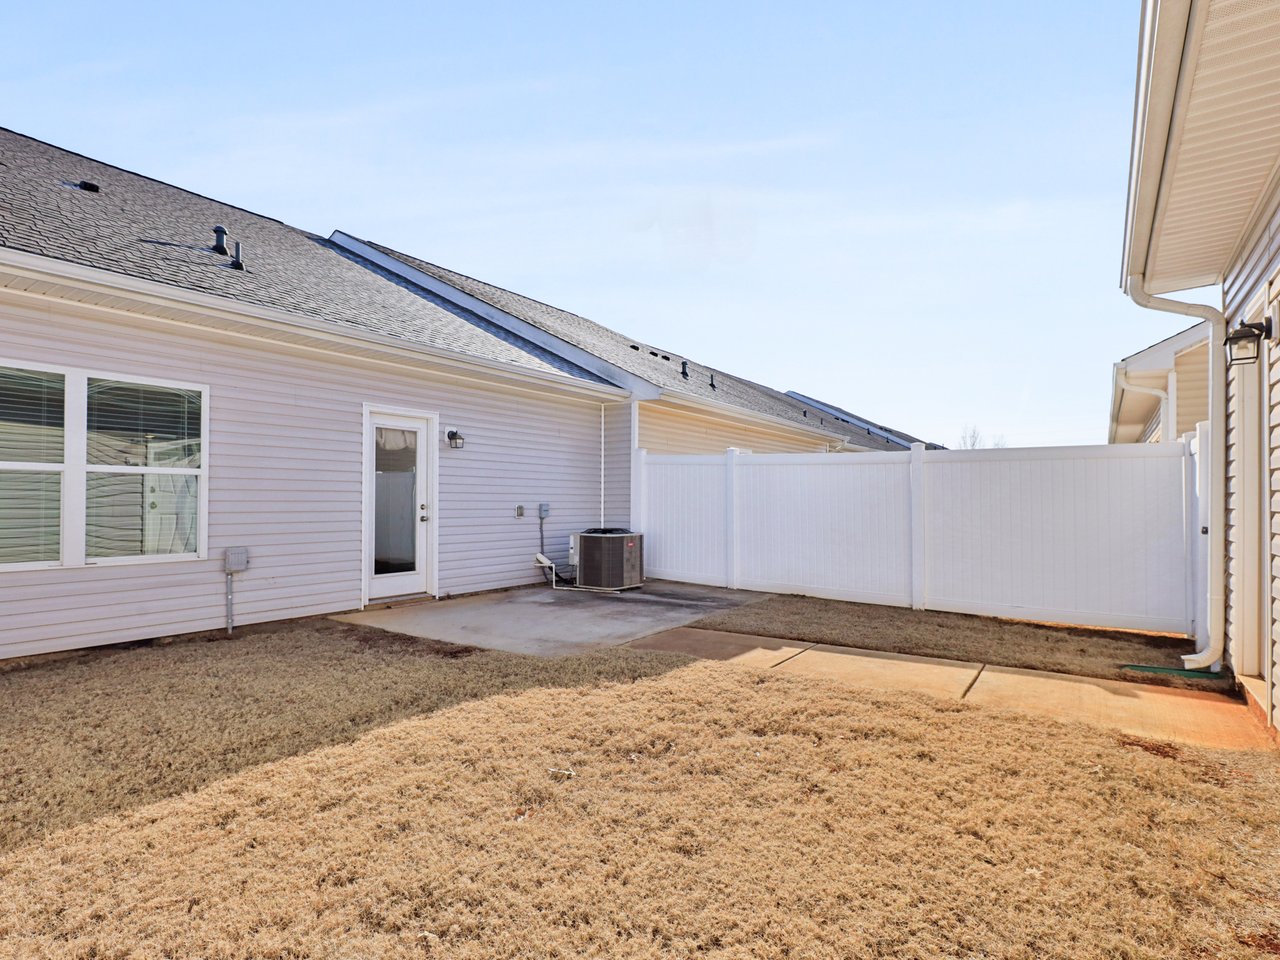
<point x="639" y="388"/>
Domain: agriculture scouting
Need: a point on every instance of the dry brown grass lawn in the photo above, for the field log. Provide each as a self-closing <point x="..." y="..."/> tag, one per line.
<point x="710" y="809"/>
<point x="117" y="728"/>
<point x="957" y="636"/>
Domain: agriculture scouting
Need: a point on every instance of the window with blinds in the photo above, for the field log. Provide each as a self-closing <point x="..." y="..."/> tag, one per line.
<point x="32" y="426"/>
<point x="94" y="469"/>
<point x="143" y="448"/>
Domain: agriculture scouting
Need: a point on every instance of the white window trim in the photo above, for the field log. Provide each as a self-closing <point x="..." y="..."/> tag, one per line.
<point x="75" y="468"/>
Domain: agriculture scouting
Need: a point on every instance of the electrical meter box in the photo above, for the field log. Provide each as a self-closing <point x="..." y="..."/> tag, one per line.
<point x="236" y="560"/>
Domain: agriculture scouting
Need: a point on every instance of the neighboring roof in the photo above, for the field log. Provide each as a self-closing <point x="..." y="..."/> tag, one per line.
<point x="1132" y="409"/>
<point x="893" y="439"/>
<point x="1160" y="355"/>
<point x="661" y="367"/>
<point x="143" y="228"/>
<point x="1206" y="138"/>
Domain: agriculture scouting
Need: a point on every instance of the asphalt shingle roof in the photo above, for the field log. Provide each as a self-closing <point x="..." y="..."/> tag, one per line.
<point x="144" y="228"/>
<point x="899" y="440"/>
<point x="141" y="227"/>
<point x="658" y="366"/>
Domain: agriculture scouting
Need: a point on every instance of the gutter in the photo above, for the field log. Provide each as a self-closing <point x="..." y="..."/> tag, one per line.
<point x="1122" y="381"/>
<point x="1211" y="656"/>
<point x="167" y="296"/>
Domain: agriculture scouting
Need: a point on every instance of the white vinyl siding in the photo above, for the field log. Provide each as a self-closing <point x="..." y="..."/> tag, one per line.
<point x="284" y="459"/>
<point x="1249" y="282"/>
<point x="617" y="465"/>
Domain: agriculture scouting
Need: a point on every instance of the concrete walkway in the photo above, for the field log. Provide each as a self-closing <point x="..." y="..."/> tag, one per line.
<point x="1139" y="709"/>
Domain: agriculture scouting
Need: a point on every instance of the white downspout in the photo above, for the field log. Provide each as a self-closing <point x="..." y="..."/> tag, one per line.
<point x="1166" y="431"/>
<point x="602" y="472"/>
<point x="1217" y="552"/>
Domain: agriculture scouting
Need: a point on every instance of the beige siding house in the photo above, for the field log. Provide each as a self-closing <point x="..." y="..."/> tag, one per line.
<point x="181" y="379"/>
<point x="1204" y="209"/>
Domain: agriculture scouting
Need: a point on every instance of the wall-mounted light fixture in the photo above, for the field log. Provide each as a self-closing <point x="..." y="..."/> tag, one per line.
<point x="1244" y="343"/>
<point x="456" y="440"/>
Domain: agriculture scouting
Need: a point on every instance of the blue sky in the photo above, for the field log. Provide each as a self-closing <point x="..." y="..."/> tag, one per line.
<point x="913" y="210"/>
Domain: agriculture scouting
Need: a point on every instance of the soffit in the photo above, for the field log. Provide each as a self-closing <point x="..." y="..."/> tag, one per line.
<point x="1224" y="156"/>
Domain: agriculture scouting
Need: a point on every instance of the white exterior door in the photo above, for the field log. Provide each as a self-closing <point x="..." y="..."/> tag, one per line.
<point x="399" y="455"/>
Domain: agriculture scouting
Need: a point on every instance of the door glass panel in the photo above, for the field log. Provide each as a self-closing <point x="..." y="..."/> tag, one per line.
<point x="395" y="506"/>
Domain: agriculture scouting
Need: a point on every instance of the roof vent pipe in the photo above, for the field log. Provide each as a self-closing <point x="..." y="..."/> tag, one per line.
<point x="684" y="369"/>
<point x="220" y="240"/>
<point x="236" y="262"/>
<point x="713" y="381"/>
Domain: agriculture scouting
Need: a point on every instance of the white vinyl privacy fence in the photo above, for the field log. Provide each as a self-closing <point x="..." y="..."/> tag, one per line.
<point x="1097" y="535"/>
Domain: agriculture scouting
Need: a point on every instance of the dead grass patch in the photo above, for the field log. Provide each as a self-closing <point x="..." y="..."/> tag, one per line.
<point x="957" y="636"/>
<point x="1267" y="943"/>
<point x="117" y="728"/>
<point x="711" y="810"/>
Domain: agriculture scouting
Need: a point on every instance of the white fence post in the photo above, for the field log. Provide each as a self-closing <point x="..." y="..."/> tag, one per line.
<point x="1200" y="595"/>
<point x="731" y="517"/>
<point x="1190" y="527"/>
<point x="917" y="527"/>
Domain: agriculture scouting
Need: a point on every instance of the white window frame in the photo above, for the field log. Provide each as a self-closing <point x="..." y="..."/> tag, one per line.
<point x="75" y="469"/>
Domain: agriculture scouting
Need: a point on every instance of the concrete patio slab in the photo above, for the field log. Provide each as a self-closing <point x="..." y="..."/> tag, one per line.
<point x="550" y="623"/>
<point x="884" y="671"/>
<point x="1185" y="716"/>
<point x="762" y="652"/>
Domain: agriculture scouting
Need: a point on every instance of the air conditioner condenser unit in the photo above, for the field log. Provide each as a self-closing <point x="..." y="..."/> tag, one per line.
<point x="609" y="558"/>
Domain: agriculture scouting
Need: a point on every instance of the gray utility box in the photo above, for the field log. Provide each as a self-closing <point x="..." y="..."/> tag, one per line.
<point x="610" y="559"/>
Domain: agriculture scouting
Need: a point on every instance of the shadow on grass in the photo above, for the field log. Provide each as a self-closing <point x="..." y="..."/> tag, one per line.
<point x="118" y="728"/>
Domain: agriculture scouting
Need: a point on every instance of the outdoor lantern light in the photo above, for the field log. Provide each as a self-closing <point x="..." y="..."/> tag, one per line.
<point x="1244" y="343"/>
<point x="455" y="439"/>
